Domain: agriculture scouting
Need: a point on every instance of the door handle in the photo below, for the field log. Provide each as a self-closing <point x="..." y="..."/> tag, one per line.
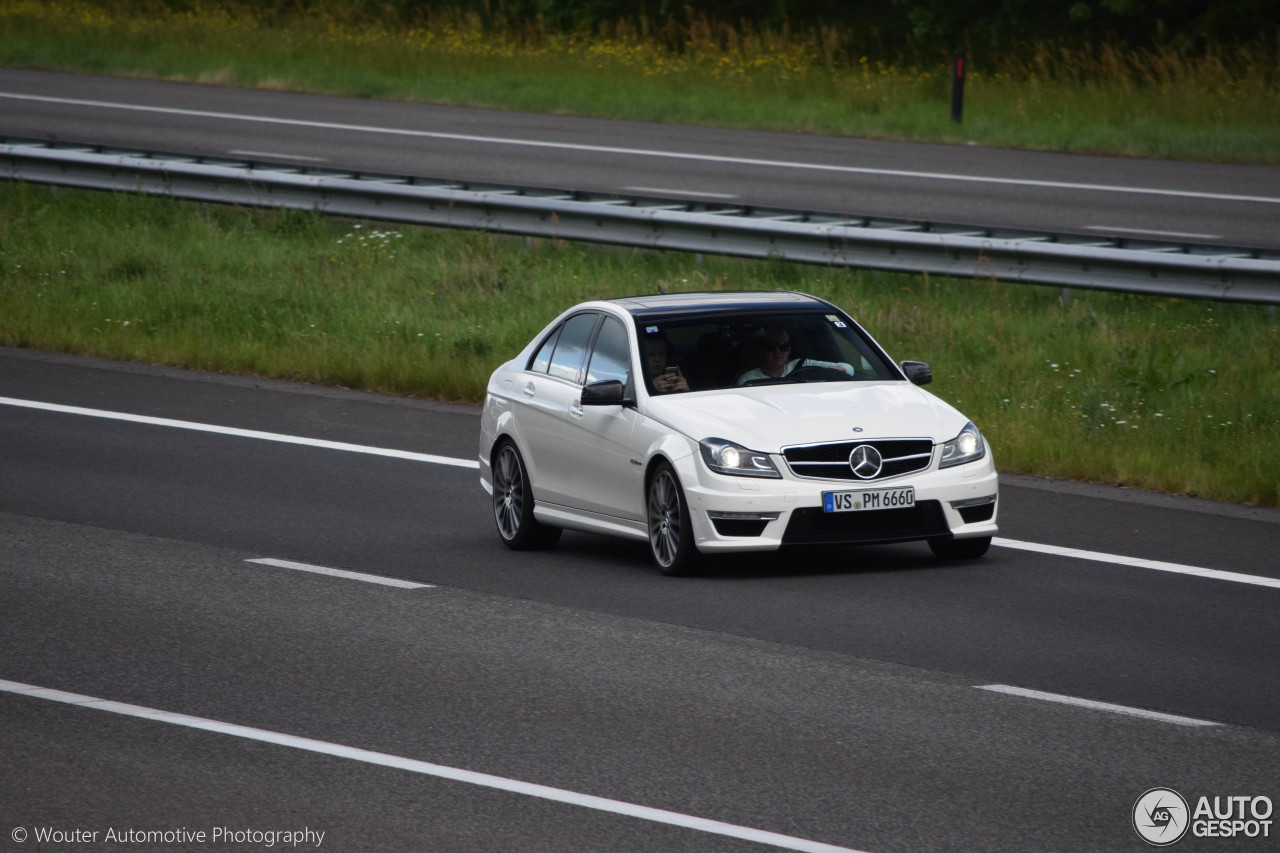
<point x="528" y="390"/>
<point x="575" y="408"/>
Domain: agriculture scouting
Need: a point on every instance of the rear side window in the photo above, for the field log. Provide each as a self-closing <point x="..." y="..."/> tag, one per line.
<point x="542" y="360"/>
<point x="566" y="360"/>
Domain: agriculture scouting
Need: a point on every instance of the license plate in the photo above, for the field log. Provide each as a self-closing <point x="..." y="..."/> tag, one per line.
<point x="868" y="499"/>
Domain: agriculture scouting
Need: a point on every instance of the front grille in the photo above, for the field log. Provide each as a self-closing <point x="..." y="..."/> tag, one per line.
<point x="831" y="461"/>
<point x="812" y="525"/>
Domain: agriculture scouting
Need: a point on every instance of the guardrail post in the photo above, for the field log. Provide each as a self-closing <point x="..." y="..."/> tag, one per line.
<point x="957" y="88"/>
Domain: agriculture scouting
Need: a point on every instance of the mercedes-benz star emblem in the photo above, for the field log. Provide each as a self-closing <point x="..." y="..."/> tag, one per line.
<point x="865" y="461"/>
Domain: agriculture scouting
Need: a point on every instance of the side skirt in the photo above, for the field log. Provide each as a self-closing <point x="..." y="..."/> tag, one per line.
<point x="590" y="522"/>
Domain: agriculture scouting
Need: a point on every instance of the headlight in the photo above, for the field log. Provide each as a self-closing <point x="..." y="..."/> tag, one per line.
<point x="725" y="457"/>
<point x="968" y="446"/>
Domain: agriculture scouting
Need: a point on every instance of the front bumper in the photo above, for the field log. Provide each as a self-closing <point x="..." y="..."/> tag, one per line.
<point x="747" y="514"/>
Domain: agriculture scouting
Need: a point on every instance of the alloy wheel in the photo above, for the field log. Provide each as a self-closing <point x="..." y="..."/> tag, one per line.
<point x="665" y="528"/>
<point x="508" y="492"/>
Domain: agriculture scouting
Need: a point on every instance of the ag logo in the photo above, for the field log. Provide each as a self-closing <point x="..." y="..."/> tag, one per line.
<point x="1161" y="817"/>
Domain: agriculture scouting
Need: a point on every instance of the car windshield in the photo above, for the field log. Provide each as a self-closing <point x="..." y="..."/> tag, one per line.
<point x="730" y="350"/>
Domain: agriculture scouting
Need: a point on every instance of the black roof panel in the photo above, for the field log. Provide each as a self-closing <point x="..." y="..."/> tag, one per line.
<point x="673" y="305"/>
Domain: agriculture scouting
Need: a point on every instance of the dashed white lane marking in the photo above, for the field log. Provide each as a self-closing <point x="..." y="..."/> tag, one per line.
<point x="663" y="191"/>
<point x="1097" y="706"/>
<point x="243" y="433"/>
<point x="1149" y="233"/>
<point x="1132" y="562"/>
<point x="1137" y="563"/>
<point x="340" y="573"/>
<point x="646" y="152"/>
<point x="411" y="765"/>
<point x="277" y="156"/>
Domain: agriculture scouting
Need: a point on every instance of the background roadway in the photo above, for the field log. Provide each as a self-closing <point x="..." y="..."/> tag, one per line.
<point x="1201" y="202"/>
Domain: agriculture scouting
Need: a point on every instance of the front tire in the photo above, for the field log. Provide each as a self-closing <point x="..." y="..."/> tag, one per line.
<point x="670" y="533"/>
<point x="946" y="548"/>
<point x="513" y="504"/>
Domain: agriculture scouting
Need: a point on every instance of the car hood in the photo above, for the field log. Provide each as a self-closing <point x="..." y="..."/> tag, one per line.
<point x="770" y="417"/>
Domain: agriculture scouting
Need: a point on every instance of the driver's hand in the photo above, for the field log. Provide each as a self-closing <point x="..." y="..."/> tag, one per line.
<point x="667" y="382"/>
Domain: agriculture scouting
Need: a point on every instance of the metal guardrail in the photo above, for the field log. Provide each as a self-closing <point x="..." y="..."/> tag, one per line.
<point x="1165" y="269"/>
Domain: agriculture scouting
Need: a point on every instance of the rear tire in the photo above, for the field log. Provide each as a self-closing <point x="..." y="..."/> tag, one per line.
<point x="513" y="503"/>
<point x="670" y="533"/>
<point x="946" y="548"/>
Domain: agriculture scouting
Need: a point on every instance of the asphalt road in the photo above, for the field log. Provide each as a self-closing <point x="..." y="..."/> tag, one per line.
<point x="1139" y="199"/>
<point x="818" y="696"/>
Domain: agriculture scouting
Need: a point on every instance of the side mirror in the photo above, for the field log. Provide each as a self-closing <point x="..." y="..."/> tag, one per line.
<point x="918" y="372"/>
<point x="607" y="392"/>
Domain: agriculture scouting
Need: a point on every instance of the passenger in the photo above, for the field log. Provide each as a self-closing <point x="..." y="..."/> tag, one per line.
<point x="665" y="377"/>
<point x="777" y="359"/>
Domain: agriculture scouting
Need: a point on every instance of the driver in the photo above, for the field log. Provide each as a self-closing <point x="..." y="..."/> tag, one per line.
<point x="666" y="378"/>
<point x="778" y="361"/>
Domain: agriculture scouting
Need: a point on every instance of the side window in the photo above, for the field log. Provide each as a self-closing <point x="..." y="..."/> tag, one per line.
<point x="611" y="358"/>
<point x="542" y="360"/>
<point x="566" y="361"/>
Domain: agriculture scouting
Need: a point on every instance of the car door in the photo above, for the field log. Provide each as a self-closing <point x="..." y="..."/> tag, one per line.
<point x="606" y="476"/>
<point x="549" y="386"/>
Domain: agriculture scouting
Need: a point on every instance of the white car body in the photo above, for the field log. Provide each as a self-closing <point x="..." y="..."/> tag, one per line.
<point x="590" y="466"/>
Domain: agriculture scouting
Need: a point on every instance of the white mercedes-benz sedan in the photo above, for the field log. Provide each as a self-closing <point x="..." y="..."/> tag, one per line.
<point x="721" y="422"/>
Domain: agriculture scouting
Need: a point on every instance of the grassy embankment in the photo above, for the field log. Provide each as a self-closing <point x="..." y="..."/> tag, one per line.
<point x="1222" y="105"/>
<point x="1154" y="393"/>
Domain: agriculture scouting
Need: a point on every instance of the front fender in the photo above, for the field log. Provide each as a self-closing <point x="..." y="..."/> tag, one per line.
<point x="497" y="419"/>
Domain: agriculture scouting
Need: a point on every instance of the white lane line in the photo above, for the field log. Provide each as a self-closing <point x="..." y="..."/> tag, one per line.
<point x="1097" y="706"/>
<point x="645" y="152"/>
<point x="1149" y="233"/>
<point x="273" y="154"/>
<point x="485" y="780"/>
<point x="1134" y="562"/>
<point x="340" y="573"/>
<point x="243" y="433"/>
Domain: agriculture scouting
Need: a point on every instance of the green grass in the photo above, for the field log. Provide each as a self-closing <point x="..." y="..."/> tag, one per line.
<point x="1219" y="106"/>
<point x="1161" y="394"/>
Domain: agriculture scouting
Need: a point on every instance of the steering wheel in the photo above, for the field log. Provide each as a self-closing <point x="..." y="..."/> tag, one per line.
<point x="804" y="374"/>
